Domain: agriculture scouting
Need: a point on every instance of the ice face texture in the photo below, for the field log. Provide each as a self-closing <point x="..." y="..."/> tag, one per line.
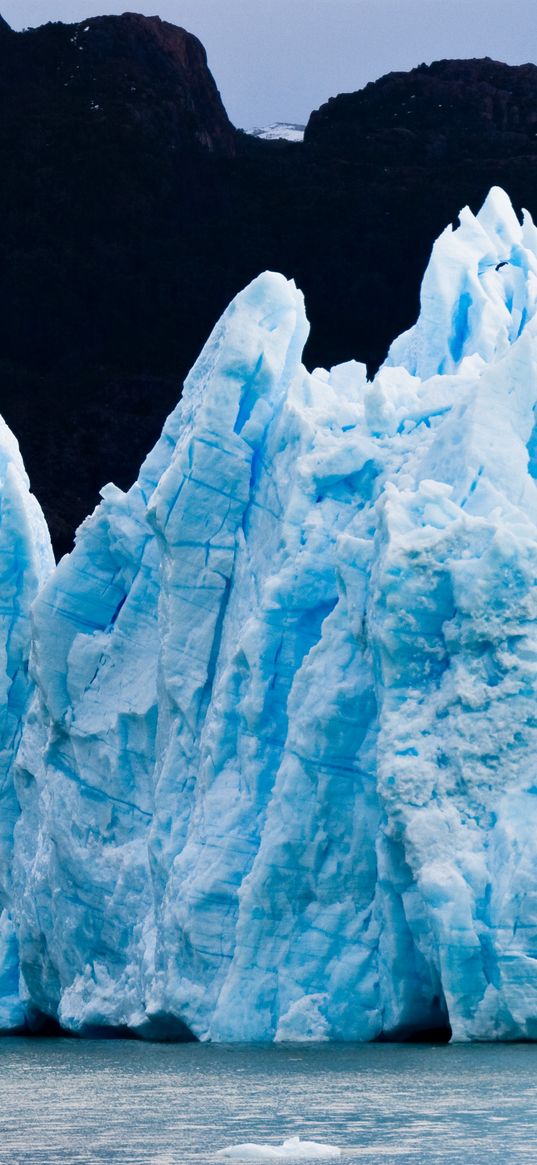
<point x="279" y="780"/>
<point x="25" y="561"/>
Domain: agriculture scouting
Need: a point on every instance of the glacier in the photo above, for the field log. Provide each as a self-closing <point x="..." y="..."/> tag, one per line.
<point x="26" y="560"/>
<point x="272" y="773"/>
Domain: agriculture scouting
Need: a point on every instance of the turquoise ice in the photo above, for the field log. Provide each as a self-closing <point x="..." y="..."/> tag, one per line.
<point x="25" y="561"/>
<point x="279" y="777"/>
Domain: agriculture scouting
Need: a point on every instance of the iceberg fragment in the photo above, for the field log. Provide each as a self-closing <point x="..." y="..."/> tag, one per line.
<point x="278" y="778"/>
<point x="293" y="1149"/>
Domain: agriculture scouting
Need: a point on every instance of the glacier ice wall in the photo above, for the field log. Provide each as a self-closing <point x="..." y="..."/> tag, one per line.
<point x="278" y="779"/>
<point x="25" y="561"/>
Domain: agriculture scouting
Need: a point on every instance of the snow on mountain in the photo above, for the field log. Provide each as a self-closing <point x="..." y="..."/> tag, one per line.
<point x="287" y="130"/>
<point x="277" y="781"/>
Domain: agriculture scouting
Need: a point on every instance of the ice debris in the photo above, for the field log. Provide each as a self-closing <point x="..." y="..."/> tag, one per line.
<point x="279" y="777"/>
<point x="293" y="1149"/>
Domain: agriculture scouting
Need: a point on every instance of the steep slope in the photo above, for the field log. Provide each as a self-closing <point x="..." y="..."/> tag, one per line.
<point x="278" y="778"/>
<point x="146" y="78"/>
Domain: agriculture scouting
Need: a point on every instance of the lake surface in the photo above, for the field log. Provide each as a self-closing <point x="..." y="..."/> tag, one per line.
<point x="90" y="1102"/>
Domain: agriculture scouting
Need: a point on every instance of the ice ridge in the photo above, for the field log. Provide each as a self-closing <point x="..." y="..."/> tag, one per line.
<point x="277" y="780"/>
<point x="25" y="561"/>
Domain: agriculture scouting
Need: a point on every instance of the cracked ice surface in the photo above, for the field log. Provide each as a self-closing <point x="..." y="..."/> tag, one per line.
<point x="279" y="781"/>
<point x="25" y="561"/>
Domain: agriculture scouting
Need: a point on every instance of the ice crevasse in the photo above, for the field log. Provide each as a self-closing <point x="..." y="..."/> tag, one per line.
<point x="278" y="769"/>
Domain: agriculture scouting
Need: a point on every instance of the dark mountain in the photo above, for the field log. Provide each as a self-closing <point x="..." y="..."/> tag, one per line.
<point x="132" y="211"/>
<point x="144" y="79"/>
<point x="450" y="111"/>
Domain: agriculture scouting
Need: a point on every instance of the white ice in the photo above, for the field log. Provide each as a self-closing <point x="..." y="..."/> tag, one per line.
<point x="292" y="1149"/>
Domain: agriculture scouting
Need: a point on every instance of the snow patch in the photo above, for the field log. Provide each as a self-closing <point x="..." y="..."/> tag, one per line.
<point x="279" y="130"/>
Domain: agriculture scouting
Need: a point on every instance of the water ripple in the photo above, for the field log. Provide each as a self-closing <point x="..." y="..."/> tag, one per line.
<point x="101" y="1103"/>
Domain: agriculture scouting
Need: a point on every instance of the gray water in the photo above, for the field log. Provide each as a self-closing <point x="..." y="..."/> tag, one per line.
<point x="89" y="1102"/>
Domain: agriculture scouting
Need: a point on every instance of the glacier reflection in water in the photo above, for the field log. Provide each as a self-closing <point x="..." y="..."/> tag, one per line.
<point x="87" y="1103"/>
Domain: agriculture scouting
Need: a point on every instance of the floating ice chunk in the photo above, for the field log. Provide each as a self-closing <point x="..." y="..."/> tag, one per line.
<point x="293" y="1149"/>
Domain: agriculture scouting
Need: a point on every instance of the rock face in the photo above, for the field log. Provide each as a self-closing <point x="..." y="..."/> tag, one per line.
<point x="147" y="77"/>
<point x="277" y="780"/>
<point x="449" y="111"/>
<point x="132" y="213"/>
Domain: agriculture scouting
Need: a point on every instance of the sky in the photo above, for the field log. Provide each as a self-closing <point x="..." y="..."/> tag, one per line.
<point x="276" y="60"/>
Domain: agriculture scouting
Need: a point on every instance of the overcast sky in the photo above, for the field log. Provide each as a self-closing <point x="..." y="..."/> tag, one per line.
<point x="276" y="60"/>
